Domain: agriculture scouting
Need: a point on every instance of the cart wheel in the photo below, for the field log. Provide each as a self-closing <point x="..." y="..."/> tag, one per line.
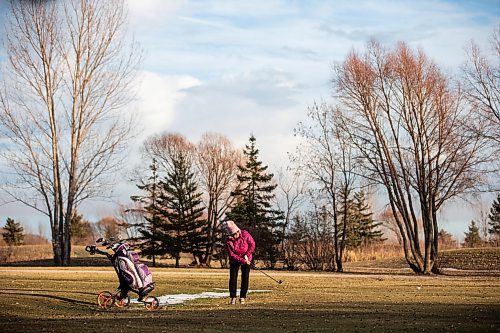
<point x="151" y="303"/>
<point x="122" y="302"/>
<point x="105" y="299"/>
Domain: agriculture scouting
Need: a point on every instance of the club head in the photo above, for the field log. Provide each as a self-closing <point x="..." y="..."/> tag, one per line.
<point x="280" y="281"/>
<point x="99" y="240"/>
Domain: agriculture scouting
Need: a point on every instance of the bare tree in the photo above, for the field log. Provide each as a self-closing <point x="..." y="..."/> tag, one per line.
<point x="290" y="195"/>
<point x="482" y="222"/>
<point x="481" y="77"/>
<point x="389" y="222"/>
<point x="217" y="162"/>
<point x="310" y="243"/>
<point x="326" y="157"/>
<point x="481" y="80"/>
<point x="109" y="226"/>
<point x="410" y="126"/>
<point x="132" y="217"/>
<point x="290" y="192"/>
<point x="68" y="74"/>
<point x="166" y="148"/>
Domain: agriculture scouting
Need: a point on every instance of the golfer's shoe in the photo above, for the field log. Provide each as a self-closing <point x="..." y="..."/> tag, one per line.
<point x="232" y="301"/>
<point x="242" y="301"/>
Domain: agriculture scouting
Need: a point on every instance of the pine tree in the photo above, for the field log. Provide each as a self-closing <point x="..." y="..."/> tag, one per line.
<point x="494" y="219"/>
<point x="472" y="237"/>
<point x="352" y="235"/>
<point x="81" y="230"/>
<point x="368" y="227"/>
<point x="13" y="232"/>
<point x="253" y="210"/>
<point x="179" y="226"/>
<point x="295" y="235"/>
<point x="361" y="227"/>
<point x="446" y="240"/>
<point x="148" y="209"/>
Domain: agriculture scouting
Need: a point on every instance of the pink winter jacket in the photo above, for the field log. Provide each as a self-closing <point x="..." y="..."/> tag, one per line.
<point x="240" y="247"/>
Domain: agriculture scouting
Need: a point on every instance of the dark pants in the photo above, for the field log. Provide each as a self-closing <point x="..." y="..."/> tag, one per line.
<point x="233" y="279"/>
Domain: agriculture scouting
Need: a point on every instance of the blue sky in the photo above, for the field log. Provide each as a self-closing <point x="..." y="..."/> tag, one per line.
<point x="241" y="67"/>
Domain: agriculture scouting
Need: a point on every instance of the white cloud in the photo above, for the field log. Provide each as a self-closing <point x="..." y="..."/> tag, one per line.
<point x="265" y="101"/>
<point x="150" y="12"/>
<point x="157" y="97"/>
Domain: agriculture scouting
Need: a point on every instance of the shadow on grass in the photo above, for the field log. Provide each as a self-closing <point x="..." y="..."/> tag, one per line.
<point x="50" y="262"/>
<point x="50" y="291"/>
<point x="443" y="272"/>
<point x="60" y="298"/>
<point x="83" y="262"/>
<point x="335" y="317"/>
<point x="375" y="272"/>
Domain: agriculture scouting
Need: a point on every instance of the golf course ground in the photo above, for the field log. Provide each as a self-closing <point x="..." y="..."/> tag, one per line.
<point x="362" y="299"/>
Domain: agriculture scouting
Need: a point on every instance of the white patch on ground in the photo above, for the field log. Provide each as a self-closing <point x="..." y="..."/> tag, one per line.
<point x="181" y="298"/>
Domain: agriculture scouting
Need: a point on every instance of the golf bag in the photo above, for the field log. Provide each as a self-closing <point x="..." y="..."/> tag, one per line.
<point x="133" y="275"/>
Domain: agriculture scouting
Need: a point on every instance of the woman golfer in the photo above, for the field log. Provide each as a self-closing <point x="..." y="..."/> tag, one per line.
<point x="240" y="246"/>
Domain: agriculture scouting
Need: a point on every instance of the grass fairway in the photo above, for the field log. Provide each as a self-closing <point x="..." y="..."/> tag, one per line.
<point x="64" y="300"/>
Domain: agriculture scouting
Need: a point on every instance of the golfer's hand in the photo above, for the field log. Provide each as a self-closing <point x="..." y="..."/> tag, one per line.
<point x="248" y="262"/>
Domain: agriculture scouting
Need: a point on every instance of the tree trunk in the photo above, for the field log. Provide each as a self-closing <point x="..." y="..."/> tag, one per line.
<point x="208" y="260"/>
<point x="67" y="242"/>
<point x="56" y="248"/>
<point x="338" y="262"/>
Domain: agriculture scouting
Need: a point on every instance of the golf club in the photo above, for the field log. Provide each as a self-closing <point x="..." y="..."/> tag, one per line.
<point x="269" y="276"/>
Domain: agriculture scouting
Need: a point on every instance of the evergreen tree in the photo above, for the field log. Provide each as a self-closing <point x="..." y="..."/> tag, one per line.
<point x="352" y="237"/>
<point x="13" y="232"/>
<point x="446" y="240"/>
<point x="494" y="219"/>
<point x="81" y="229"/>
<point x="295" y="235"/>
<point x="253" y="209"/>
<point x="178" y="223"/>
<point x="361" y="227"/>
<point x="148" y="209"/>
<point x="472" y="237"/>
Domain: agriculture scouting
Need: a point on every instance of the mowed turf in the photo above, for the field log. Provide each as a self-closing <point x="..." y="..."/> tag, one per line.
<point x="64" y="300"/>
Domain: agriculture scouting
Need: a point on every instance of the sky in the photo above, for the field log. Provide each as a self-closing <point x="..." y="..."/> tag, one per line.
<point x="242" y="67"/>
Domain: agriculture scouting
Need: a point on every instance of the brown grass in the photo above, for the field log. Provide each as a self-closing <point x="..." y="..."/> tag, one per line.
<point x="375" y="252"/>
<point x="23" y="253"/>
<point x="387" y="256"/>
<point x="64" y="300"/>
